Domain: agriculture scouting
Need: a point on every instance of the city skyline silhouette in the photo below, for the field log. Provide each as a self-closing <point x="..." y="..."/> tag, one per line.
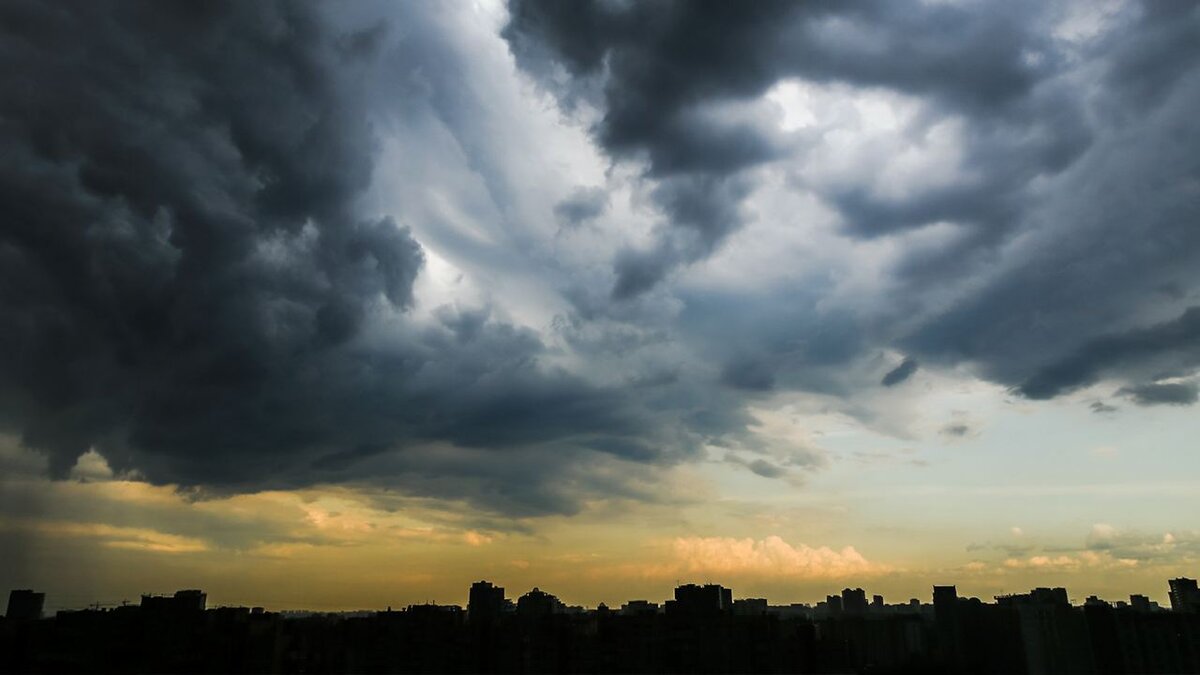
<point x="703" y="628"/>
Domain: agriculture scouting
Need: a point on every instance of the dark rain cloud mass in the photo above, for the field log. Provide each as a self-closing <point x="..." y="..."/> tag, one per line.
<point x="190" y="285"/>
<point x="253" y="245"/>
<point x="900" y="373"/>
<point x="178" y="236"/>
<point x="1165" y="393"/>
<point x="1074" y="202"/>
<point x="665" y="70"/>
<point x="1172" y="344"/>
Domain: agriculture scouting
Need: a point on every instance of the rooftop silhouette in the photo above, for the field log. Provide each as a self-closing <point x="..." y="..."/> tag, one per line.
<point x="703" y="628"/>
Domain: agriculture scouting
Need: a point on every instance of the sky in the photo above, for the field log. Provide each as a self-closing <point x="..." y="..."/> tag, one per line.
<point x="339" y="306"/>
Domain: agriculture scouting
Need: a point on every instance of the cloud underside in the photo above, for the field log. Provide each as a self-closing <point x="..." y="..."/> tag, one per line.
<point x="1072" y="210"/>
<point x="189" y="284"/>
<point x="198" y="281"/>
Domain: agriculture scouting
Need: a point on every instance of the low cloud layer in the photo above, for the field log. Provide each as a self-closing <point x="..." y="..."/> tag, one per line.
<point x="725" y="557"/>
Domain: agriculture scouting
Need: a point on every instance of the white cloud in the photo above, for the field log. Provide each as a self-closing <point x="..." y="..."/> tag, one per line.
<point x="768" y="557"/>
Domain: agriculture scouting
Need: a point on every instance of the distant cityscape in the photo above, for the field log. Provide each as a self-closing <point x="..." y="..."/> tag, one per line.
<point x="703" y="628"/>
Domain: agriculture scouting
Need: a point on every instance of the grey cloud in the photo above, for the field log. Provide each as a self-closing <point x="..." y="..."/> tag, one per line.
<point x="190" y="280"/>
<point x="1067" y="307"/>
<point x="703" y="210"/>
<point x="1173" y="393"/>
<point x="662" y="59"/>
<point x="1150" y="60"/>
<point x="179" y="239"/>
<point x="1177" y="339"/>
<point x="956" y="430"/>
<point x="1004" y="150"/>
<point x="662" y="67"/>
<point x="758" y="466"/>
<point x="1064" y="147"/>
<point x="1010" y="550"/>
<point x="766" y="469"/>
<point x="639" y="271"/>
<point x="777" y="340"/>
<point x="584" y="205"/>
<point x="900" y="373"/>
<point x="1142" y="546"/>
<point x="189" y="283"/>
<point x="750" y="374"/>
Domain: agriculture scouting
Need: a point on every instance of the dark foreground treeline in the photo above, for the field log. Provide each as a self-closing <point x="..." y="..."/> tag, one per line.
<point x="958" y="635"/>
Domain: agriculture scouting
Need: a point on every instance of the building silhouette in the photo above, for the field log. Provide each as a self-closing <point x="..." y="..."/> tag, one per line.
<point x="833" y="604"/>
<point x="25" y="605"/>
<point x="1053" y="634"/>
<point x="701" y="629"/>
<point x="1142" y="603"/>
<point x="854" y="600"/>
<point x="485" y="601"/>
<point x="1185" y="596"/>
<point x="637" y="607"/>
<point x="750" y="607"/>
<point x="181" y="602"/>
<point x="694" y="599"/>
<point x="539" y="603"/>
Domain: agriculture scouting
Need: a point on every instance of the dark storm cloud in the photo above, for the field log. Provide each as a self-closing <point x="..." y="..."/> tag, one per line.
<point x="748" y="374"/>
<point x="1066" y="308"/>
<point x="666" y="68"/>
<point x="662" y="62"/>
<point x="775" y="342"/>
<point x="1086" y="148"/>
<point x="190" y="280"/>
<point x="1037" y="135"/>
<point x="188" y="283"/>
<point x="1172" y="343"/>
<point x="663" y="59"/>
<point x="900" y="373"/>
<point x="1168" y="393"/>
<point x="703" y="209"/>
<point x="177" y="231"/>
<point x="1149" y="61"/>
